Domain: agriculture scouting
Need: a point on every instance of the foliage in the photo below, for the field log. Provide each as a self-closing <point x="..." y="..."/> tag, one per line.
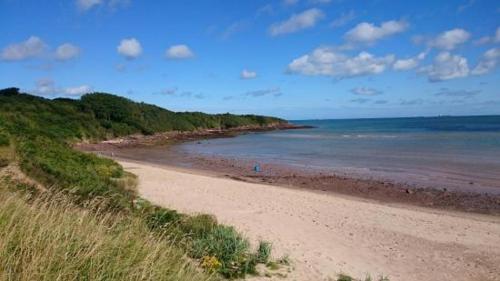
<point x="4" y="138"/>
<point x="161" y="219"/>
<point x="53" y="239"/>
<point x="229" y="247"/>
<point x="343" y="277"/>
<point x="264" y="252"/>
<point x="199" y="226"/>
<point x="210" y="264"/>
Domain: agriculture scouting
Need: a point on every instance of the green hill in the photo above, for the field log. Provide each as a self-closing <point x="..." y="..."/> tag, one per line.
<point x="42" y="131"/>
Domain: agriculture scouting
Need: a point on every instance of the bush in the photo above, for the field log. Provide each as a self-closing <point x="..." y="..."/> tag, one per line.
<point x="161" y="219"/>
<point x="229" y="247"/>
<point x="343" y="277"/>
<point x="83" y="175"/>
<point x="199" y="226"/>
<point x="4" y="138"/>
<point x="264" y="252"/>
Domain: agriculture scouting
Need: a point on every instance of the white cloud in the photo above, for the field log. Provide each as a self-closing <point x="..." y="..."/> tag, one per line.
<point x="47" y="87"/>
<point x="369" y="33"/>
<point x="130" y="48"/>
<point x="67" y="51"/>
<point x="77" y="91"/>
<point x="85" y="5"/>
<point x="248" y="74"/>
<point x="488" y="62"/>
<point x="169" y="91"/>
<point x="234" y="28"/>
<point x="360" y="100"/>
<point x="450" y="39"/>
<point x="363" y="91"/>
<point x="276" y="92"/>
<point x="30" y="48"/>
<point x="179" y="52"/>
<point x="465" y="5"/>
<point x="343" y="19"/>
<point x="483" y="40"/>
<point x="446" y="66"/>
<point x="410" y="63"/>
<point x="296" y="22"/>
<point x="489" y="39"/>
<point x="457" y="93"/>
<point x="328" y="62"/>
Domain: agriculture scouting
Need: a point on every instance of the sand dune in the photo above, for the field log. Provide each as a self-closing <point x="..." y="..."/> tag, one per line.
<point x="325" y="234"/>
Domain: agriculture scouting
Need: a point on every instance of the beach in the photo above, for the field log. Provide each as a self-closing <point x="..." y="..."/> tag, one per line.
<point x="327" y="233"/>
<point x="325" y="221"/>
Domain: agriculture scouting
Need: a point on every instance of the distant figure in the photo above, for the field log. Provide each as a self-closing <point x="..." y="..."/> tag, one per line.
<point x="256" y="168"/>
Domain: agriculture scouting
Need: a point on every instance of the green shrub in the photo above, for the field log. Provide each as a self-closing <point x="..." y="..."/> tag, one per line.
<point x="343" y="277"/>
<point x="160" y="219"/>
<point x="83" y="175"/>
<point x="4" y="139"/>
<point x="199" y="226"/>
<point x="264" y="252"/>
<point x="229" y="247"/>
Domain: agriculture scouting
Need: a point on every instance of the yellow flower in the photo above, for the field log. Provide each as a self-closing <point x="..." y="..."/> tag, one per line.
<point x="210" y="263"/>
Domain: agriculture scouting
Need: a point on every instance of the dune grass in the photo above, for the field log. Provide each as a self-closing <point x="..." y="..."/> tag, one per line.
<point x="344" y="277"/>
<point x="51" y="238"/>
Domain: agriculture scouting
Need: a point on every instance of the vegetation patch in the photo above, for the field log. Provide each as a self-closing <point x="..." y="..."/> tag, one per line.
<point x="53" y="239"/>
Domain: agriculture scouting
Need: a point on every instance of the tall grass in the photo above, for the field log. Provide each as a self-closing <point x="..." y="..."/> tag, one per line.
<point x="52" y="239"/>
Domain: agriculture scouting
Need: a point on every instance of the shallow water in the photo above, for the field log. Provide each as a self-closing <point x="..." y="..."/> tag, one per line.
<point x="446" y="152"/>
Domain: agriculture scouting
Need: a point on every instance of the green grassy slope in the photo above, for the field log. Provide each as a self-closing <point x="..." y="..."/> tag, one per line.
<point x="43" y="129"/>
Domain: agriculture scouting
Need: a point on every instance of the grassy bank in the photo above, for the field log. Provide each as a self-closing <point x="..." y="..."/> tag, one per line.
<point x="43" y="130"/>
<point x="53" y="239"/>
<point x="37" y="135"/>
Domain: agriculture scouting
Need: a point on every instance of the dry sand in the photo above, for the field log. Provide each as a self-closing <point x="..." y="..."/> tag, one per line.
<point x="325" y="234"/>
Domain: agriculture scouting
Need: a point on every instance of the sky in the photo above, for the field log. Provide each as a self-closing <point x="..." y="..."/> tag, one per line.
<point x="296" y="59"/>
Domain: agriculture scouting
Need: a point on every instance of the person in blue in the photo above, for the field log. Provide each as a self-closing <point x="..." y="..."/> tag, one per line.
<point x="256" y="168"/>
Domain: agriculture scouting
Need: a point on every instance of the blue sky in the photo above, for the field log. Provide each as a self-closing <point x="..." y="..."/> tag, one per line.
<point x="295" y="59"/>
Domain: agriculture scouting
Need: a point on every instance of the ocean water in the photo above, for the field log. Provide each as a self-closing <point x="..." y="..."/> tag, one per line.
<point x="444" y="152"/>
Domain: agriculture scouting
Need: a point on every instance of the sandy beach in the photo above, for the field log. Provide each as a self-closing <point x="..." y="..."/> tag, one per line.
<point x="325" y="233"/>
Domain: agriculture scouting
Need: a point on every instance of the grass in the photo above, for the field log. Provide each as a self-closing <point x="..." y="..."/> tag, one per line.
<point x="264" y="252"/>
<point x="51" y="238"/>
<point x="344" y="277"/>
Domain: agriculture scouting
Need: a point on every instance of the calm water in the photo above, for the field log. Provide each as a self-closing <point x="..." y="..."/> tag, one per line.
<point x="452" y="152"/>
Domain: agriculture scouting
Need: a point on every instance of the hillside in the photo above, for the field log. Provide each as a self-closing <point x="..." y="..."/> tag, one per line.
<point x="42" y="131"/>
<point x="36" y="155"/>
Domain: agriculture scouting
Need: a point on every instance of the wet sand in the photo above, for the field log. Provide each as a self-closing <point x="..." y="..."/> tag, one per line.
<point x="307" y="179"/>
<point x="325" y="233"/>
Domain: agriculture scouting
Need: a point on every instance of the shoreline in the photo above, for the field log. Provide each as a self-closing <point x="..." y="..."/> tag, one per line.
<point x="176" y="137"/>
<point x="162" y="150"/>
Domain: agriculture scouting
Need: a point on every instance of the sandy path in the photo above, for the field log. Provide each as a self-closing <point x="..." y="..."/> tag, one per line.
<point x="326" y="234"/>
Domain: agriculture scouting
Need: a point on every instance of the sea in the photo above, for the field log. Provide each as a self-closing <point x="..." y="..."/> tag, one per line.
<point x="455" y="153"/>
